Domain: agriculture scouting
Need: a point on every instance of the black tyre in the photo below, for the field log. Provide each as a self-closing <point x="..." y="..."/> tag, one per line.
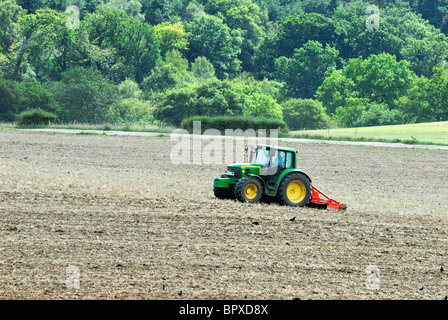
<point x="294" y="190"/>
<point x="248" y="189"/>
<point x="223" y="193"/>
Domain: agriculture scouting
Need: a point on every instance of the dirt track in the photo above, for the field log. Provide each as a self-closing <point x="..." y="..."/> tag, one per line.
<point x="119" y="211"/>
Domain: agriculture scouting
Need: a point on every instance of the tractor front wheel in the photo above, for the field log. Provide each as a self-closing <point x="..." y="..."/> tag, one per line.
<point x="295" y="190"/>
<point x="248" y="189"/>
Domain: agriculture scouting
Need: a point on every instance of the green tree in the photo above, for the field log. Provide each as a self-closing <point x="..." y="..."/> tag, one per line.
<point x="60" y="5"/>
<point x="35" y="96"/>
<point x="262" y="106"/>
<point x="334" y="90"/>
<point x="293" y="33"/>
<point x="425" y="54"/>
<point x="48" y="45"/>
<point x="84" y="96"/>
<point x="279" y="9"/>
<point x="202" y="69"/>
<point x="211" y="98"/>
<point x="426" y="100"/>
<point x="173" y="72"/>
<point x="172" y="37"/>
<point x="211" y="38"/>
<point x="305" y="71"/>
<point x="379" y="114"/>
<point x="193" y="10"/>
<point x="129" y="89"/>
<point x="11" y="99"/>
<point x="380" y="78"/>
<point x="242" y="15"/>
<point x="132" y="7"/>
<point x="10" y="13"/>
<point x="135" y="41"/>
<point x="158" y="11"/>
<point x="348" y="114"/>
<point x="176" y="105"/>
<point x="131" y="111"/>
<point x="304" y="114"/>
<point x="325" y="7"/>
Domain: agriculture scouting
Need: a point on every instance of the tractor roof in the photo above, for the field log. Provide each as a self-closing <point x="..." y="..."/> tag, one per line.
<point x="277" y="147"/>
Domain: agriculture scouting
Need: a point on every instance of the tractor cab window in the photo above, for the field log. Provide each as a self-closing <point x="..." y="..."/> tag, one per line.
<point x="289" y="161"/>
<point x="263" y="157"/>
<point x="274" y="159"/>
<point x="285" y="160"/>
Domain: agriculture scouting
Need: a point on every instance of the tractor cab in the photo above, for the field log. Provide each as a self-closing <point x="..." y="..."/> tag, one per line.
<point x="273" y="161"/>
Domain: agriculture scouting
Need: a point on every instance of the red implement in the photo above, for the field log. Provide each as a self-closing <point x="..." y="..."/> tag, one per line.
<point x="320" y="199"/>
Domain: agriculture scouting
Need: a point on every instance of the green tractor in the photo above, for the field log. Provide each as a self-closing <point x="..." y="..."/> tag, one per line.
<point x="271" y="173"/>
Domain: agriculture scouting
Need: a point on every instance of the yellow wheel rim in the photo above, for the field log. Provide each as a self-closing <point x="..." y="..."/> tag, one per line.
<point x="296" y="191"/>
<point x="251" y="191"/>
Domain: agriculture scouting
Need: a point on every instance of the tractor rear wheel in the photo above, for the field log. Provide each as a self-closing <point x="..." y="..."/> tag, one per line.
<point x="248" y="189"/>
<point x="223" y="193"/>
<point x="294" y="190"/>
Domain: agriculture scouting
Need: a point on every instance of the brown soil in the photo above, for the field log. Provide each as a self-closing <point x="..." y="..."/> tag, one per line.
<point x="119" y="211"/>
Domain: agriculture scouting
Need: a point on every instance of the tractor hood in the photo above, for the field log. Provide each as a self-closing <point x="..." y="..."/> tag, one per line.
<point x="239" y="170"/>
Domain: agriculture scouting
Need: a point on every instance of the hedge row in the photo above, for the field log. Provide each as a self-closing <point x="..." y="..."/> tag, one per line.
<point x="225" y="122"/>
<point x="35" y="117"/>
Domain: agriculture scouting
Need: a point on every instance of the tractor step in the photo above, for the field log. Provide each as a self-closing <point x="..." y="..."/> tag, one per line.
<point x="321" y="200"/>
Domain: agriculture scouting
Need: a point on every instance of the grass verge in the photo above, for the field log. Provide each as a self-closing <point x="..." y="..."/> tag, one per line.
<point x="435" y="133"/>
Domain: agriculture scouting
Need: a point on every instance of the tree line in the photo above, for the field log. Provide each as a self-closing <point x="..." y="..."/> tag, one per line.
<point x="313" y="64"/>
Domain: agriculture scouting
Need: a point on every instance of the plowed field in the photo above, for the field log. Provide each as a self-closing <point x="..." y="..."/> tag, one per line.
<point x="119" y="212"/>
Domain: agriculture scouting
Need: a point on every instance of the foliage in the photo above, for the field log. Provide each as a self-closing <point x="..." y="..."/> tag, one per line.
<point x="35" y="117"/>
<point x="305" y="71"/>
<point x="84" y="96"/>
<point x="380" y="78"/>
<point x="172" y="73"/>
<point x="293" y="33"/>
<point x="136" y="42"/>
<point x="158" y="11"/>
<point x="202" y="69"/>
<point x="16" y="97"/>
<point x="172" y="37"/>
<point x="129" y="89"/>
<point x="427" y="100"/>
<point x="10" y="13"/>
<point x="306" y="114"/>
<point x="133" y="8"/>
<point x="210" y="98"/>
<point x="347" y="115"/>
<point x="360" y="112"/>
<point x="334" y="90"/>
<point x="35" y="96"/>
<point x="242" y="15"/>
<point x="169" y="58"/>
<point x="262" y="106"/>
<point x="11" y="99"/>
<point x="223" y="123"/>
<point x="210" y="37"/>
<point x="131" y="110"/>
